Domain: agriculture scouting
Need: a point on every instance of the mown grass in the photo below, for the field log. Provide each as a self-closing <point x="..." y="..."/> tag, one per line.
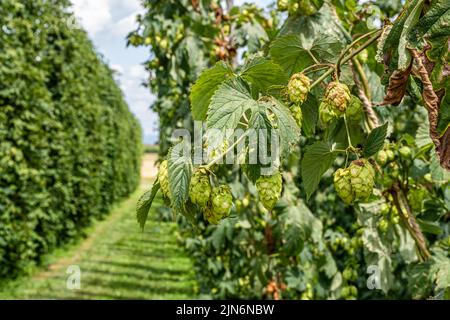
<point x="117" y="261"/>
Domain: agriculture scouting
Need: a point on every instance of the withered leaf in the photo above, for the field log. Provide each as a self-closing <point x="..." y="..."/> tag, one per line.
<point x="432" y="103"/>
<point x="397" y="87"/>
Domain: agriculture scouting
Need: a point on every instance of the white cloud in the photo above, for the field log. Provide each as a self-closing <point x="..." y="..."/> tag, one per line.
<point x="125" y="25"/>
<point x="108" y="22"/>
<point x="95" y="15"/>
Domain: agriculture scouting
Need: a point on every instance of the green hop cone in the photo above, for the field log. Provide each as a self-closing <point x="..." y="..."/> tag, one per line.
<point x="334" y="105"/>
<point x="405" y="152"/>
<point x="416" y="198"/>
<point x="297" y="113"/>
<point x="304" y="7"/>
<point x="390" y="155"/>
<point x="163" y="177"/>
<point x="298" y="88"/>
<point x="362" y="177"/>
<point x="283" y="5"/>
<point x="269" y="189"/>
<point x="354" y="109"/>
<point x="209" y="216"/>
<point x="355" y="183"/>
<point x="200" y="188"/>
<point x="338" y="96"/>
<point x="327" y="113"/>
<point x="382" y="157"/>
<point x="221" y="201"/>
<point x="343" y="185"/>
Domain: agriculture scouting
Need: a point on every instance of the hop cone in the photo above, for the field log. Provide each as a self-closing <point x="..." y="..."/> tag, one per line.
<point x="327" y="113"/>
<point x="336" y="100"/>
<point x="355" y="183"/>
<point x="298" y="88"/>
<point x="354" y="109"/>
<point x="221" y="202"/>
<point x="200" y="188"/>
<point x="306" y="8"/>
<point x="283" y="5"/>
<point x="163" y="177"/>
<point x="343" y="185"/>
<point x="362" y="178"/>
<point x="296" y="112"/>
<point x="303" y="7"/>
<point x="338" y="96"/>
<point x="269" y="189"/>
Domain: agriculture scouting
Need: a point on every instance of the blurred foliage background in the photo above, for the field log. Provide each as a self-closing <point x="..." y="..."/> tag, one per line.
<point x="69" y="146"/>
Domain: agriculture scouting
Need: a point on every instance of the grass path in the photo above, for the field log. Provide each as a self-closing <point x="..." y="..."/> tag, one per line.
<point x="117" y="261"/>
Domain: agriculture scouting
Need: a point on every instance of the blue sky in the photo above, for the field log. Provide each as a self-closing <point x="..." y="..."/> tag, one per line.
<point x="108" y="22"/>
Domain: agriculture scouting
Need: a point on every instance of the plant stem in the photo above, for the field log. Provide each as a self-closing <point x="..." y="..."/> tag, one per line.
<point x="220" y="156"/>
<point x="348" y="133"/>
<point x="348" y="58"/>
<point x="341" y="57"/>
<point x="410" y="221"/>
<point x="319" y="67"/>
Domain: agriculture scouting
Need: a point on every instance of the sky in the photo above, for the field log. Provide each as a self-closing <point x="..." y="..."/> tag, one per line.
<point x="108" y="22"/>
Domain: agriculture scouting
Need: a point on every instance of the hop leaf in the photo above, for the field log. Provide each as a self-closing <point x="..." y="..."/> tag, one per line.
<point x="269" y="189"/>
<point x="298" y="88"/>
<point x="200" y="188"/>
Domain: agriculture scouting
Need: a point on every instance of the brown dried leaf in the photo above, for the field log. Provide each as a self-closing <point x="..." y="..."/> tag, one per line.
<point x="432" y="103"/>
<point x="397" y="87"/>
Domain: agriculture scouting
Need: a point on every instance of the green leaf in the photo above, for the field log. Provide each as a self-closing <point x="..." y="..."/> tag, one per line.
<point x="317" y="160"/>
<point x="204" y="88"/>
<point x="288" y="129"/>
<point x="437" y="172"/>
<point x="180" y="171"/>
<point x="404" y="57"/>
<point x="390" y="48"/>
<point x="263" y="73"/>
<point x="443" y="275"/>
<point x="310" y="110"/>
<point x="294" y="53"/>
<point x="435" y="23"/>
<point x="301" y="225"/>
<point x="324" y="22"/>
<point x="375" y="140"/>
<point x="228" y="104"/>
<point x="420" y="280"/>
<point x="423" y="134"/>
<point x="145" y="203"/>
<point x="431" y="227"/>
